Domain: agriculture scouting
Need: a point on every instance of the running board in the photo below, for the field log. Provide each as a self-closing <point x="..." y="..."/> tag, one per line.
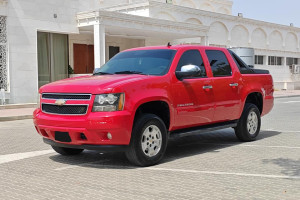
<point x="202" y="129"/>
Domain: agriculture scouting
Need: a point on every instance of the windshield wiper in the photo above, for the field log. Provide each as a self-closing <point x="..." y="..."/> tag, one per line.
<point x="129" y="72"/>
<point x="102" y="73"/>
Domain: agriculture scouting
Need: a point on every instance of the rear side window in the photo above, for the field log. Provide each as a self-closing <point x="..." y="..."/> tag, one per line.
<point x="218" y="63"/>
<point x="192" y="57"/>
<point x="240" y="64"/>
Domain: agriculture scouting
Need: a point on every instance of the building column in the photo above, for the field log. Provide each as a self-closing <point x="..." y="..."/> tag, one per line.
<point x="99" y="45"/>
<point x="267" y="60"/>
<point x="204" y="41"/>
<point x="284" y="61"/>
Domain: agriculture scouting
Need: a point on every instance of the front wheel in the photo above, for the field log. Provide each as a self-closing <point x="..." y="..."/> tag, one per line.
<point x="249" y="124"/>
<point x="66" y="151"/>
<point x="148" y="141"/>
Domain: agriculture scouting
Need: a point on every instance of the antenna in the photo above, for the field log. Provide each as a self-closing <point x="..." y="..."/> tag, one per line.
<point x="169" y="44"/>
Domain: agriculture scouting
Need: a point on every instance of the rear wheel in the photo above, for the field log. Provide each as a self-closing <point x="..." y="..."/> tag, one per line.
<point x="249" y="124"/>
<point x="67" y="151"/>
<point x="148" y="141"/>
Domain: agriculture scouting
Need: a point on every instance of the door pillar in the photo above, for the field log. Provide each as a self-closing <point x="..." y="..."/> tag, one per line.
<point x="99" y="45"/>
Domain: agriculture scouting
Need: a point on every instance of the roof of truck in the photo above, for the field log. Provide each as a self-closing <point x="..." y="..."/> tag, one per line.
<point x="174" y="47"/>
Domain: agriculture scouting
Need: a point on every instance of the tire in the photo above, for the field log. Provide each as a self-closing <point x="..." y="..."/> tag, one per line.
<point x="67" y="151"/>
<point x="148" y="141"/>
<point x="249" y="124"/>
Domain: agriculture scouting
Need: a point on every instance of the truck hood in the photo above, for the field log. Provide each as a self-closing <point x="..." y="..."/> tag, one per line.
<point x="91" y="84"/>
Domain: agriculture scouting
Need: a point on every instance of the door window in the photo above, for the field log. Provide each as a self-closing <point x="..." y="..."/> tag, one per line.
<point x="192" y="57"/>
<point x="218" y="63"/>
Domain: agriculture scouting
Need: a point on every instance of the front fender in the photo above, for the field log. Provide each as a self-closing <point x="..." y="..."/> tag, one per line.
<point x="150" y="98"/>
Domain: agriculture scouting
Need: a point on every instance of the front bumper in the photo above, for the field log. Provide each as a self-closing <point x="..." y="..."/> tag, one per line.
<point x="94" y="127"/>
<point x="100" y="148"/>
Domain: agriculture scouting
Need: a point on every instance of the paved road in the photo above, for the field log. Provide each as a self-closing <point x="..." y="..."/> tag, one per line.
<point x="207" y="166"/>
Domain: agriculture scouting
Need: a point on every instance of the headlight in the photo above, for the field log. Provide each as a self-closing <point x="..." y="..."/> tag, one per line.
<point x="108" y="102"/>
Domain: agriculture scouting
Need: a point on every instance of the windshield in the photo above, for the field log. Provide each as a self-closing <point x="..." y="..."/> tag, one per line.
<point x="147" y="62"/>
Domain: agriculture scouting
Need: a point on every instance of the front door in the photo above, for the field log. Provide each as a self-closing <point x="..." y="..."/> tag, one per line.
<point x="225" y="87"/>
<point x="193" y="100"/>
<point x="83" y="58"/>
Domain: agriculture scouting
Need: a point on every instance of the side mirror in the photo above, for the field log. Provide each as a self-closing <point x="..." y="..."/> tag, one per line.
<point x="188" y="71"/>
<point x="251" y="66"/>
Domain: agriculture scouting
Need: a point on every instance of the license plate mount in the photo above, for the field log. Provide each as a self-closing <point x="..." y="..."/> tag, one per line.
<point x="62" y="136"/>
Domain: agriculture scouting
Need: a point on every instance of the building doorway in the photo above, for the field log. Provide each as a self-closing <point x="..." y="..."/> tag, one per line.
<point x="113" y="51"/>
<point x="52" y="57"/>
<point x="83" y="58"/>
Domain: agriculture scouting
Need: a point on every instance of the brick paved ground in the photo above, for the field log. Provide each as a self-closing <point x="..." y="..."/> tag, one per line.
<point x="208" y="166"/>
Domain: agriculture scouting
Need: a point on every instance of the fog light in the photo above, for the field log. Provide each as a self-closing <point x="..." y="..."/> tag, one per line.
<point x="109" y="136"/>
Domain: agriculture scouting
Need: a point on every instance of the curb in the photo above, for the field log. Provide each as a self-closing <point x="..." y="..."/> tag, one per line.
<point x="13" y="118"/>
<point x="279" y="97"/>
<point x="17" y="106"/>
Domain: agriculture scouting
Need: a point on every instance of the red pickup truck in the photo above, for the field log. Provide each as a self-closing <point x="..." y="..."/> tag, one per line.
<point x="143" y="96"/>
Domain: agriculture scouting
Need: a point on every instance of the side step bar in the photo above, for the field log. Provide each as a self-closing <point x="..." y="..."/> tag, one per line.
<point x="202" y="129"/>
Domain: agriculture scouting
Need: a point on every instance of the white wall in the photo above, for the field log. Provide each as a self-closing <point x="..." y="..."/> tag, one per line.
<point x="123" y="43"/>
<point x="231" y="31"/>
<point x="218" y="33"/>
<point x="259" y="38"/>
<point x="109" y="3"/>
<point x="219" y="6"/>
<point x="88" y="38"/>
<point x="155" y="41"/>
<point x="24" y="19"/>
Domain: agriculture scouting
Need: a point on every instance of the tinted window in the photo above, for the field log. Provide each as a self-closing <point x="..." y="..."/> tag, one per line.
<point x="218" y="63"/>
<point x="150" y="62"/>
<point x="192" y="57"/>
<point x="259" y="60"/>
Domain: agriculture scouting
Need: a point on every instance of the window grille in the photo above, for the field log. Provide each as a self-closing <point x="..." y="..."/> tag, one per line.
<point x="3" y="54"/>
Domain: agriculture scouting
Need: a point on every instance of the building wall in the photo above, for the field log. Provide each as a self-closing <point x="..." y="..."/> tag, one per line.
<point x="219" y="6"/>
<point x="110" y="3"/>
<point x="88" y="38"/>
<point x="24" y="19"/>
<point x="232" y="31"/>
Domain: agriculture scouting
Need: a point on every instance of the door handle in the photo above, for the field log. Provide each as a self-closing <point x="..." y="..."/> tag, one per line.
<point x="207" y="87"/>
<point x="233" y="84"/>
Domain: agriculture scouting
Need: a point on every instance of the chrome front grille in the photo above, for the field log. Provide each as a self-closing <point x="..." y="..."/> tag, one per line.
<point x="66" y="96"/>
<point x="65" y="109"/>
<point x="65" y="103"/>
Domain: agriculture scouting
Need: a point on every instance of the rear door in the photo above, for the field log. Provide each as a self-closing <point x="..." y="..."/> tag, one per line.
<point x="193" y="97"/>
<point x="226" y="84"/>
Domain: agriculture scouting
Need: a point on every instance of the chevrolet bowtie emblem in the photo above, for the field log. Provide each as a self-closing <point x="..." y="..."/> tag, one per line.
<point x="60" y="102"/>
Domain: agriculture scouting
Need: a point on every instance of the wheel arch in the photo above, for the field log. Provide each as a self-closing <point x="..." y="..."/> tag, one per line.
<point x="160" y="107"/>
<point x="255" y="98"/>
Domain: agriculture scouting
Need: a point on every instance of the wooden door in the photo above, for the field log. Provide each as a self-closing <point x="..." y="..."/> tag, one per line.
<point x="83" y="58"/>
<point x="91" y="61"/>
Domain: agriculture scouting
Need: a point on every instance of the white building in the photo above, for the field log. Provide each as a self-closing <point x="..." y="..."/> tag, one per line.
<point x="39" y="39"/>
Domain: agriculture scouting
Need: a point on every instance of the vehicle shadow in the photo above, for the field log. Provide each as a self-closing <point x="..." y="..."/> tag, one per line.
<point x="177" y="148"/>
<point x="210" y="142"/>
